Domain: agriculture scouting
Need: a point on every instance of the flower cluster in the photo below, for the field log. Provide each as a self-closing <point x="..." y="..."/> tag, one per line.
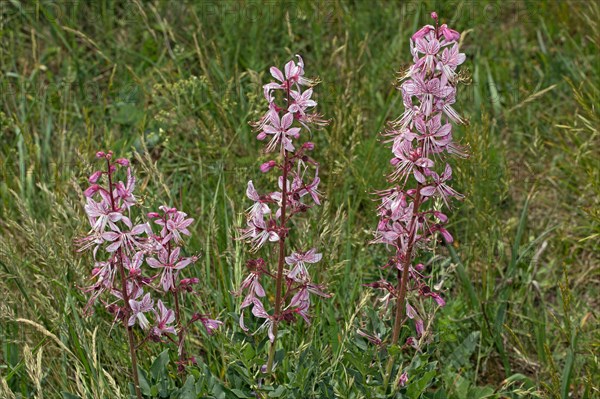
<point x="118" y="273"/>
<point x="409" y="212"/>
<point x="290" y="110"/>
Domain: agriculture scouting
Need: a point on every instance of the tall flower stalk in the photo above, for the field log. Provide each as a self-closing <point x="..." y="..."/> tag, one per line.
<point x="290" y="112"/>
<point x="410" y="217"/>
<point x="120" y="248"/>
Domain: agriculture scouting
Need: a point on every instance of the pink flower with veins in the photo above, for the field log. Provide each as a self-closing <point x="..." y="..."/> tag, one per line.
<point x="302" y="101"/>
<point x="101" y="214"/>
<point x="125" y="191"/>
<point x="429" y="48"/>
<point x="138" y="308"/>
<point x="293" y="73"/>
<point x="440" y="187"/>
<point x="409" y="160"/>
<point x="175" y="224"/>
<point x="259" y="311"/>
<point x="281" y="131"/>
<point x="259" y="207"/>
<point x="258" y="233"/>
<point x="297" y="260"/>
<point x="164" y="317"/>
<point x="451" y="58"/>
<point x="427" y="91"/>
<point x="170" y="264"/>
<point x="128" y="240"/>
<point x="312" y="189"/>
<point x="434" y="136"/>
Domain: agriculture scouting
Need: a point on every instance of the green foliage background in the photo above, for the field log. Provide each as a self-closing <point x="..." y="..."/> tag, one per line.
<point x="173" y="85"/>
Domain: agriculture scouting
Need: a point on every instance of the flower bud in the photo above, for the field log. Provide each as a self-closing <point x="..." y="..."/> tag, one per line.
<point x="122" y="161"/>
<point x="267" y="166"/>
<point x="153" y="215"/>
<point x="95" y="176"/>
<point x="434" y="15"/>
<point x="261" y="136"/>
<point x="93" y="189"/>
<point x="100" y="154"/>
<point x="308" y="146"/>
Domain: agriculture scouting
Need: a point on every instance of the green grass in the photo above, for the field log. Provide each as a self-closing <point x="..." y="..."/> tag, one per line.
<point x="175" y="83"/>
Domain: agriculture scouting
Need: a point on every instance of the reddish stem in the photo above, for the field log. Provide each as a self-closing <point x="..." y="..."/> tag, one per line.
<point x="402" y="278"/>
<point x="127" y="307"/>
<point x="279" y="280"/>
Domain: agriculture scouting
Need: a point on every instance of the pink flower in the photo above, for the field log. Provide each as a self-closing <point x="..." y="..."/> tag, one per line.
<point x="451" y="58"/>
<point x="434" y="136"/>
<point x="101" y="214"/>
<point x="299" y="272"/>
<point x="128" y="240"/>
<point x="174" y="225"/>
<point x="403" y="379"/>
<point x="409" y="160"/>
<point x="138" y="308"/>
<point x="293" y="106"/>
<point x="210" y="325"/>
<point x="439" y="186"/>
<point x="164" y="317"/>
<point x="302" y="101"/>
<point x="125" y="191"/>
<point x="258" y="232"/>
<point x="429" y="48"/>
<point x="281" y="131"/>
<point x="260" y="207"/>
<point x="170" y="265"/>
<point x="409" y="221"/>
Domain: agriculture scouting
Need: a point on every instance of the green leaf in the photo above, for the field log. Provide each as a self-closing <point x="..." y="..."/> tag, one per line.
<point x="415" y="389"/>
<point x="239" y="393"/>
<point x="480" y="392"/>
<point x="67" y="395"/>
<point x="144" y="385"/>
<point x="460" y="356"/>
<point x="277" y="392"/>
<point x="158" y="367"/>
<point x="188" y="390"/>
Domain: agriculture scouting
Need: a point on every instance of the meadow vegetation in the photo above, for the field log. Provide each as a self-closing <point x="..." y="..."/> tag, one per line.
<point x="172" y="86"/>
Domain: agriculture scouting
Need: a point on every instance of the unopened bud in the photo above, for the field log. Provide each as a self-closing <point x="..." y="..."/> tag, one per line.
<point x="267" y="166"/>
<point x="93" y="189"/>
<point x="95" y="176"/>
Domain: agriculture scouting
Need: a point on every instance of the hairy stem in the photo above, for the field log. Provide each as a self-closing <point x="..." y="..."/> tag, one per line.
<point x="402" y="277"/>
<point x="127" y="307"/>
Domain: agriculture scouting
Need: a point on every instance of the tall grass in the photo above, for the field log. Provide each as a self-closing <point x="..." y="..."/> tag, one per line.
<point x="176" y="83"/>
